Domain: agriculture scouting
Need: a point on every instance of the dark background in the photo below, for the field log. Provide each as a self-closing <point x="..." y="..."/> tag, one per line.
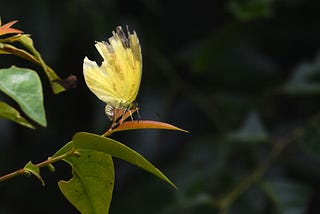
<point x="241" y="76"/>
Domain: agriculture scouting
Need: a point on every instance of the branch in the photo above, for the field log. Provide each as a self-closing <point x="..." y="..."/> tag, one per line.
<point x="45" y="163"/>
<point x="225" y="202"/>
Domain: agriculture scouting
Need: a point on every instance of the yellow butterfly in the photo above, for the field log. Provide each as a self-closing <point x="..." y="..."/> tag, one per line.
<point x="117" y="80"/>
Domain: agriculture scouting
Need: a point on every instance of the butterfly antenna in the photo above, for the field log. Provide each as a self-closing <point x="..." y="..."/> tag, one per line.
<point x="156" y="113"/>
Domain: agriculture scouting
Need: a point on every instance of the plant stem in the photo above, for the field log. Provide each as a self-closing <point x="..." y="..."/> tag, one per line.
<point x="12" y="174"/>
<point x="55" y="159"/>
<point x="40" y="165"/>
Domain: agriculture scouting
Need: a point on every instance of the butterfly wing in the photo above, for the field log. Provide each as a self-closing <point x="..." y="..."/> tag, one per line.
<point x="117" y="80"/>
<point x="100" y="82"/>
<point x="136" y="63"/>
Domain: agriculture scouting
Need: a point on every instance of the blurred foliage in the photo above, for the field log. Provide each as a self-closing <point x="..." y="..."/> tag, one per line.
<point x="207" y="67"/>
<point x="251" y="131"/>
<point x="251" y="10"/>
<point x="305" y="78"/>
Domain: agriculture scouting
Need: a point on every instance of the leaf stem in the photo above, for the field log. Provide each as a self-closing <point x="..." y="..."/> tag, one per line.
<point x="40" y="165"/>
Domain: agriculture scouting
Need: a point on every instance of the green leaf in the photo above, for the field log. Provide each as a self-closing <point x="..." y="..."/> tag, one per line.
<point x="33" y="169"/>
<point x="116" y="149"/>
<point x="83" y="140"/>
<point x="24" y="86"/>
<point x="26" y="41"/>
<point x="90" y="189"/>
<point x="10" y="113"/>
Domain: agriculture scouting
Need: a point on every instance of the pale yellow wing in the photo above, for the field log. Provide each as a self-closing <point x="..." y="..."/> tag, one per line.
<point x="99" y="82"/>
<point x="117" y="80"/>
